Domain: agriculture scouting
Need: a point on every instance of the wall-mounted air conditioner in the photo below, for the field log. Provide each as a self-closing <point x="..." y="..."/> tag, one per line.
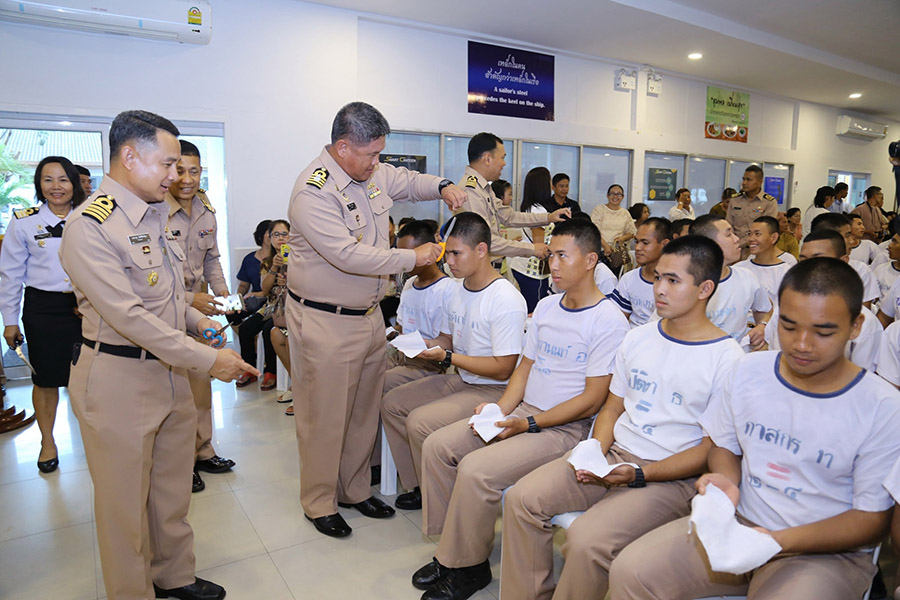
<point x="185" y="21"/>
<point x="862" y="129"/>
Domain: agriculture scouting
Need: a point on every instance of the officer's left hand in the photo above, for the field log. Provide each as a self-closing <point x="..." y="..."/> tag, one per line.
<point x="222" y="337"/>
<point x="511" y="426"/>
<point x="560" y="215"/>
<point x="206" y="304"/>
<point x="453" y="196"/>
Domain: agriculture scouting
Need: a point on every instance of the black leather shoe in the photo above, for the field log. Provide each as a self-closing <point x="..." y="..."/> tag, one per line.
<point x="410" y="500"/>
<point x="376" y="475"/>
<point x="199" y="590"/>
<point x="216" y="464"/>
<point x="198" y="485"/>
<point x="331" y="525"/>
<point x="48" y="466"/>
<point x="459" y="584"/>
<point x="372" y="508"/>
<point x="428" y="575"/>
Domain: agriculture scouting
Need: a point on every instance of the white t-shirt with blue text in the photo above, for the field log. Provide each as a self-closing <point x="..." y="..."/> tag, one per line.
<point x="634" y="295"/>
<point x="424" y="309"/>
<point x="735" y="298"/>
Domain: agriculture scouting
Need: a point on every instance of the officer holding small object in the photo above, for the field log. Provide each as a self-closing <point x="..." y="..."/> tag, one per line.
<point x="338" y="272"/>
<point x="192" y="222"/>
<point x="129" y="386"/>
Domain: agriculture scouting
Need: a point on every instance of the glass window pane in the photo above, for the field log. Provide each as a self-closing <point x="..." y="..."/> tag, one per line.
<point x="456" y="157"/>
<point x="706" y="179"/>
<point x="556" y="157"/>
<point x="667" y="186"/>
<point x="416" y="144"/>
<point x="602" y="168"/>
<point x="736" y="172"/>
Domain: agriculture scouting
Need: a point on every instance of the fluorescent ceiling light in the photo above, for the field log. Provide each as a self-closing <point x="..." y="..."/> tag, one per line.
<point x="856" y="95"/>
<point x="695" y="56"/>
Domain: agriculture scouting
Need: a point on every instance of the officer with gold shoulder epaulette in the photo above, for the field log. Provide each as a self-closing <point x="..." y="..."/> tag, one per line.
<point x="487" y="157"/>
<point x="750" y="204"/>
<point x="192" y="223"/>
<point x="129" y="386"/>
<point x="338" y="270"/>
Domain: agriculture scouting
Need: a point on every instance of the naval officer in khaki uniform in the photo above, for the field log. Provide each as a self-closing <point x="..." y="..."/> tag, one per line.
<point x="338" y="271"/>
<point x="192" y="222"/>
<point x="128" y="386"/>
<point x="750" y="204"/>
<point x="487" y="157"/>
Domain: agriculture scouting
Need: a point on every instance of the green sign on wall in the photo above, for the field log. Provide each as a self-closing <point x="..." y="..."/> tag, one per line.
<point x="727" y="114"/>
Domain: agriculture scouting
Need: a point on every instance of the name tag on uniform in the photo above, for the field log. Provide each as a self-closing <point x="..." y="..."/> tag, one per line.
<point x="140" y="238"/>
<point x="351" y="206"/>
<point x="42" y="236"/>
<point x="176" y="233"/>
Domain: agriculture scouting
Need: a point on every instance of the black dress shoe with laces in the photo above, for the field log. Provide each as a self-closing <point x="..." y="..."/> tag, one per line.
<point x="371" y="507"/>
<point x="428" y="575"/>
<point x="199" y="590"/>
<point x="331" y="525"/>
<point x="459" y="584"/>
<point x="216" y="464"/>
<point x="198" y="485"/>
<point x="410" y="500"/>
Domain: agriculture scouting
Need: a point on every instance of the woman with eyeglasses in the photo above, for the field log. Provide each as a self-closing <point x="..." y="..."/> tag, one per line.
<point x="614" y="221"/>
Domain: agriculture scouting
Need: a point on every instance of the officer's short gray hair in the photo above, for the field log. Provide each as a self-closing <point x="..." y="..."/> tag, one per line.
<point x="359" y="123"/>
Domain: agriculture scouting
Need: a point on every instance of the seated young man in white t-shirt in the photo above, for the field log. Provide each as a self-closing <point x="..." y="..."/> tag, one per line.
<point x="892" y="485"/>
<point x="887" y="273"/>
<point x="739" y="292"/>
<point x="841" y="223"/>
<point x="889" y="357"/>
<point x="481" y="335"/>
<point x="802" y="441"/>
<point x="863" y="350"/>
<point x="560" y="383"/>
<point x="665" y="374"/>
<point x="863" y="250"/>
<point x="764" y="261"/>
<point x="634" y="292"/>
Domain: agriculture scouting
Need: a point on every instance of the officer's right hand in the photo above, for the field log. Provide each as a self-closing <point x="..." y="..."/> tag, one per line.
<point x="12" y="335"/>
<point x="560" y="215"/>
<point x="206" y="304"/>
<point x="229" y="366"/>
<point x="427" y="254"/>
<point x="541" y="250"/>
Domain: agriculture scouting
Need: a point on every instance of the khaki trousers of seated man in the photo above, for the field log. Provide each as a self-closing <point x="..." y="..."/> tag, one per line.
<point x="464" y="478"/>
<point x="412" y="411"/>
<point x="201" y="388"/>
<point x="614" y="517"/>
<point x="669" y="563"/>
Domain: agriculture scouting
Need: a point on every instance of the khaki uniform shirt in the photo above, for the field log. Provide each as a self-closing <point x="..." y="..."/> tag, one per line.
<point x="196" y="236"/>
<point x="128" y="277"/>
<point x="340" y="252"/>
<point x="480" y="199"/>
<point x="742" y="210"/>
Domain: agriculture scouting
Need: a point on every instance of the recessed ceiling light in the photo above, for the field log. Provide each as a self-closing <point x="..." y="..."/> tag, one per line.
<point x="695" y="56"/>
<point x="856" y="95"/>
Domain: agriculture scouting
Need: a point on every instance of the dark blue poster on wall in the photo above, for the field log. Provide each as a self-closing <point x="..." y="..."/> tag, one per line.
<point x="774" y="186"/>
<point x="510" y="82"/>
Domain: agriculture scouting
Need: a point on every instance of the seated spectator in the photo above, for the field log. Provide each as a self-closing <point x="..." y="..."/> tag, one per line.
<point x="684" y="361"/>
<point x="824" y="198"/>
<point x="795" y="219"/>
<point x="721" y="209"/>
<point x="561" y="194"/>
<point x="84" y="176"/>
<point x="560" y="383"/>
<point x="863" y="250"/>
<point x="788" y="244"/>
<point x="681" y="227"/>
<point x="249" y="273"/>
<point x="640" y="212"/>
<point x="764" y="261"/>
<point x="615" y="224"/>
<point x="682" y="208"/>
<point x="815" y="487"/>
<point x="634" y="291"/>
<point x="874" y="222"/>
<point x="841" y="224"/>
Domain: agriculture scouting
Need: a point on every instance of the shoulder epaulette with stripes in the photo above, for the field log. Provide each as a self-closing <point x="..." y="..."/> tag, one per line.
<point x="100" y="208"/>
<point x="25" y="212"/>
<point x="318" y="178"/>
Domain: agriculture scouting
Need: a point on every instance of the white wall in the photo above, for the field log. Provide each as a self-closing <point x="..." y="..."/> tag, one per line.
<point x="276" y="71"/>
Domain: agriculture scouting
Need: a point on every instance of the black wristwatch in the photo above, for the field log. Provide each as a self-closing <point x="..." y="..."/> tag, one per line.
<point x="444" y="184"/>
<point x="639" y="480"/>
<point x="448" y="358"/>
<point x="532" y="425"/>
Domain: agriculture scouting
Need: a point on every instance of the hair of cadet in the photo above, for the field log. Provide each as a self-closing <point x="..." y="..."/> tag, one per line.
<point x="584" y="233"/>
<point x="481" y="143"/>
<point x="137" y="126"/>
<point x="705" y="225"/>
<point x="838" y="244"/>
<point x="189" y="149"/>
<point x="772" y="222"/>
<point x="70" y="171"/>
<point x="422" y="232"/>
<point x="705" y="258"/>
<point x="471" y="228"/>
<point x="662" y="228"/>
<point x="83" y="170"/>
<point x="824" y="276"/>
<point x="829" y="220"/>
<point x="359" y="123"/>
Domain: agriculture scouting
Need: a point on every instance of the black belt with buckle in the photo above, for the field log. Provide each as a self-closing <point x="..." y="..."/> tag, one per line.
<point x="338" y="310"/>
<point x="123" y="351"/>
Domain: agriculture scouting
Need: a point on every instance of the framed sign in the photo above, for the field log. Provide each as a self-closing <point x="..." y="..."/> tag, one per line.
<point x="661" y="184"/>
<point x="727" y="115"/>
<point x="510" y="82"/>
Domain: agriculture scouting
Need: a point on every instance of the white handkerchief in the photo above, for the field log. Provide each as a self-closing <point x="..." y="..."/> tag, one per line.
<point x="730" y="546"/>
<point x="745" y="343"/>
<point x="410" y="344"/>
<point x="588" y="456"/>
<point x="484" y="421"/>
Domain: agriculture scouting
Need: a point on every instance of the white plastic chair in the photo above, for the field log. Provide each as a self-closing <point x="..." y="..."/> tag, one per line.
<point x="388" y="468"/>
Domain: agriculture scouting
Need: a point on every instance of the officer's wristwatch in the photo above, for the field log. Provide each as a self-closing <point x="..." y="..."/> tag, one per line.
<point x="447" y="359"/>
<point x="533" y="427"/>
<point x="444" y="184"/>
<point x="639" y="480"/>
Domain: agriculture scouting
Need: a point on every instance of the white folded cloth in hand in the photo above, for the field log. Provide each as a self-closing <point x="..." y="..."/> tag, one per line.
<point x="411" y="344"/>
<point x="588" y="456"/>
<point x="730" y="546"/>
<point x="484" y="421"/>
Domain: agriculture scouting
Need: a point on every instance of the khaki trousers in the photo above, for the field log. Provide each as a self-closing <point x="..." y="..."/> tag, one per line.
<point x="138" y="426"/>
<point x="412" y="411"/>
<point x="338" y="366"/>
<point x="614" y="517"/>
<point x="668" y="563"/>
<point x="201" y="388"/>
<point x="463" y="481"/>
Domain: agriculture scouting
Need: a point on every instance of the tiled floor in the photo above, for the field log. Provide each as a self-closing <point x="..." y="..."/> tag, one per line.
<point x="250" y="535"/>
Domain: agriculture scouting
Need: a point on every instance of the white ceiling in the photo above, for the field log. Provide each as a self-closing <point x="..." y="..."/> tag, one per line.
<point x="814" y="50"/>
